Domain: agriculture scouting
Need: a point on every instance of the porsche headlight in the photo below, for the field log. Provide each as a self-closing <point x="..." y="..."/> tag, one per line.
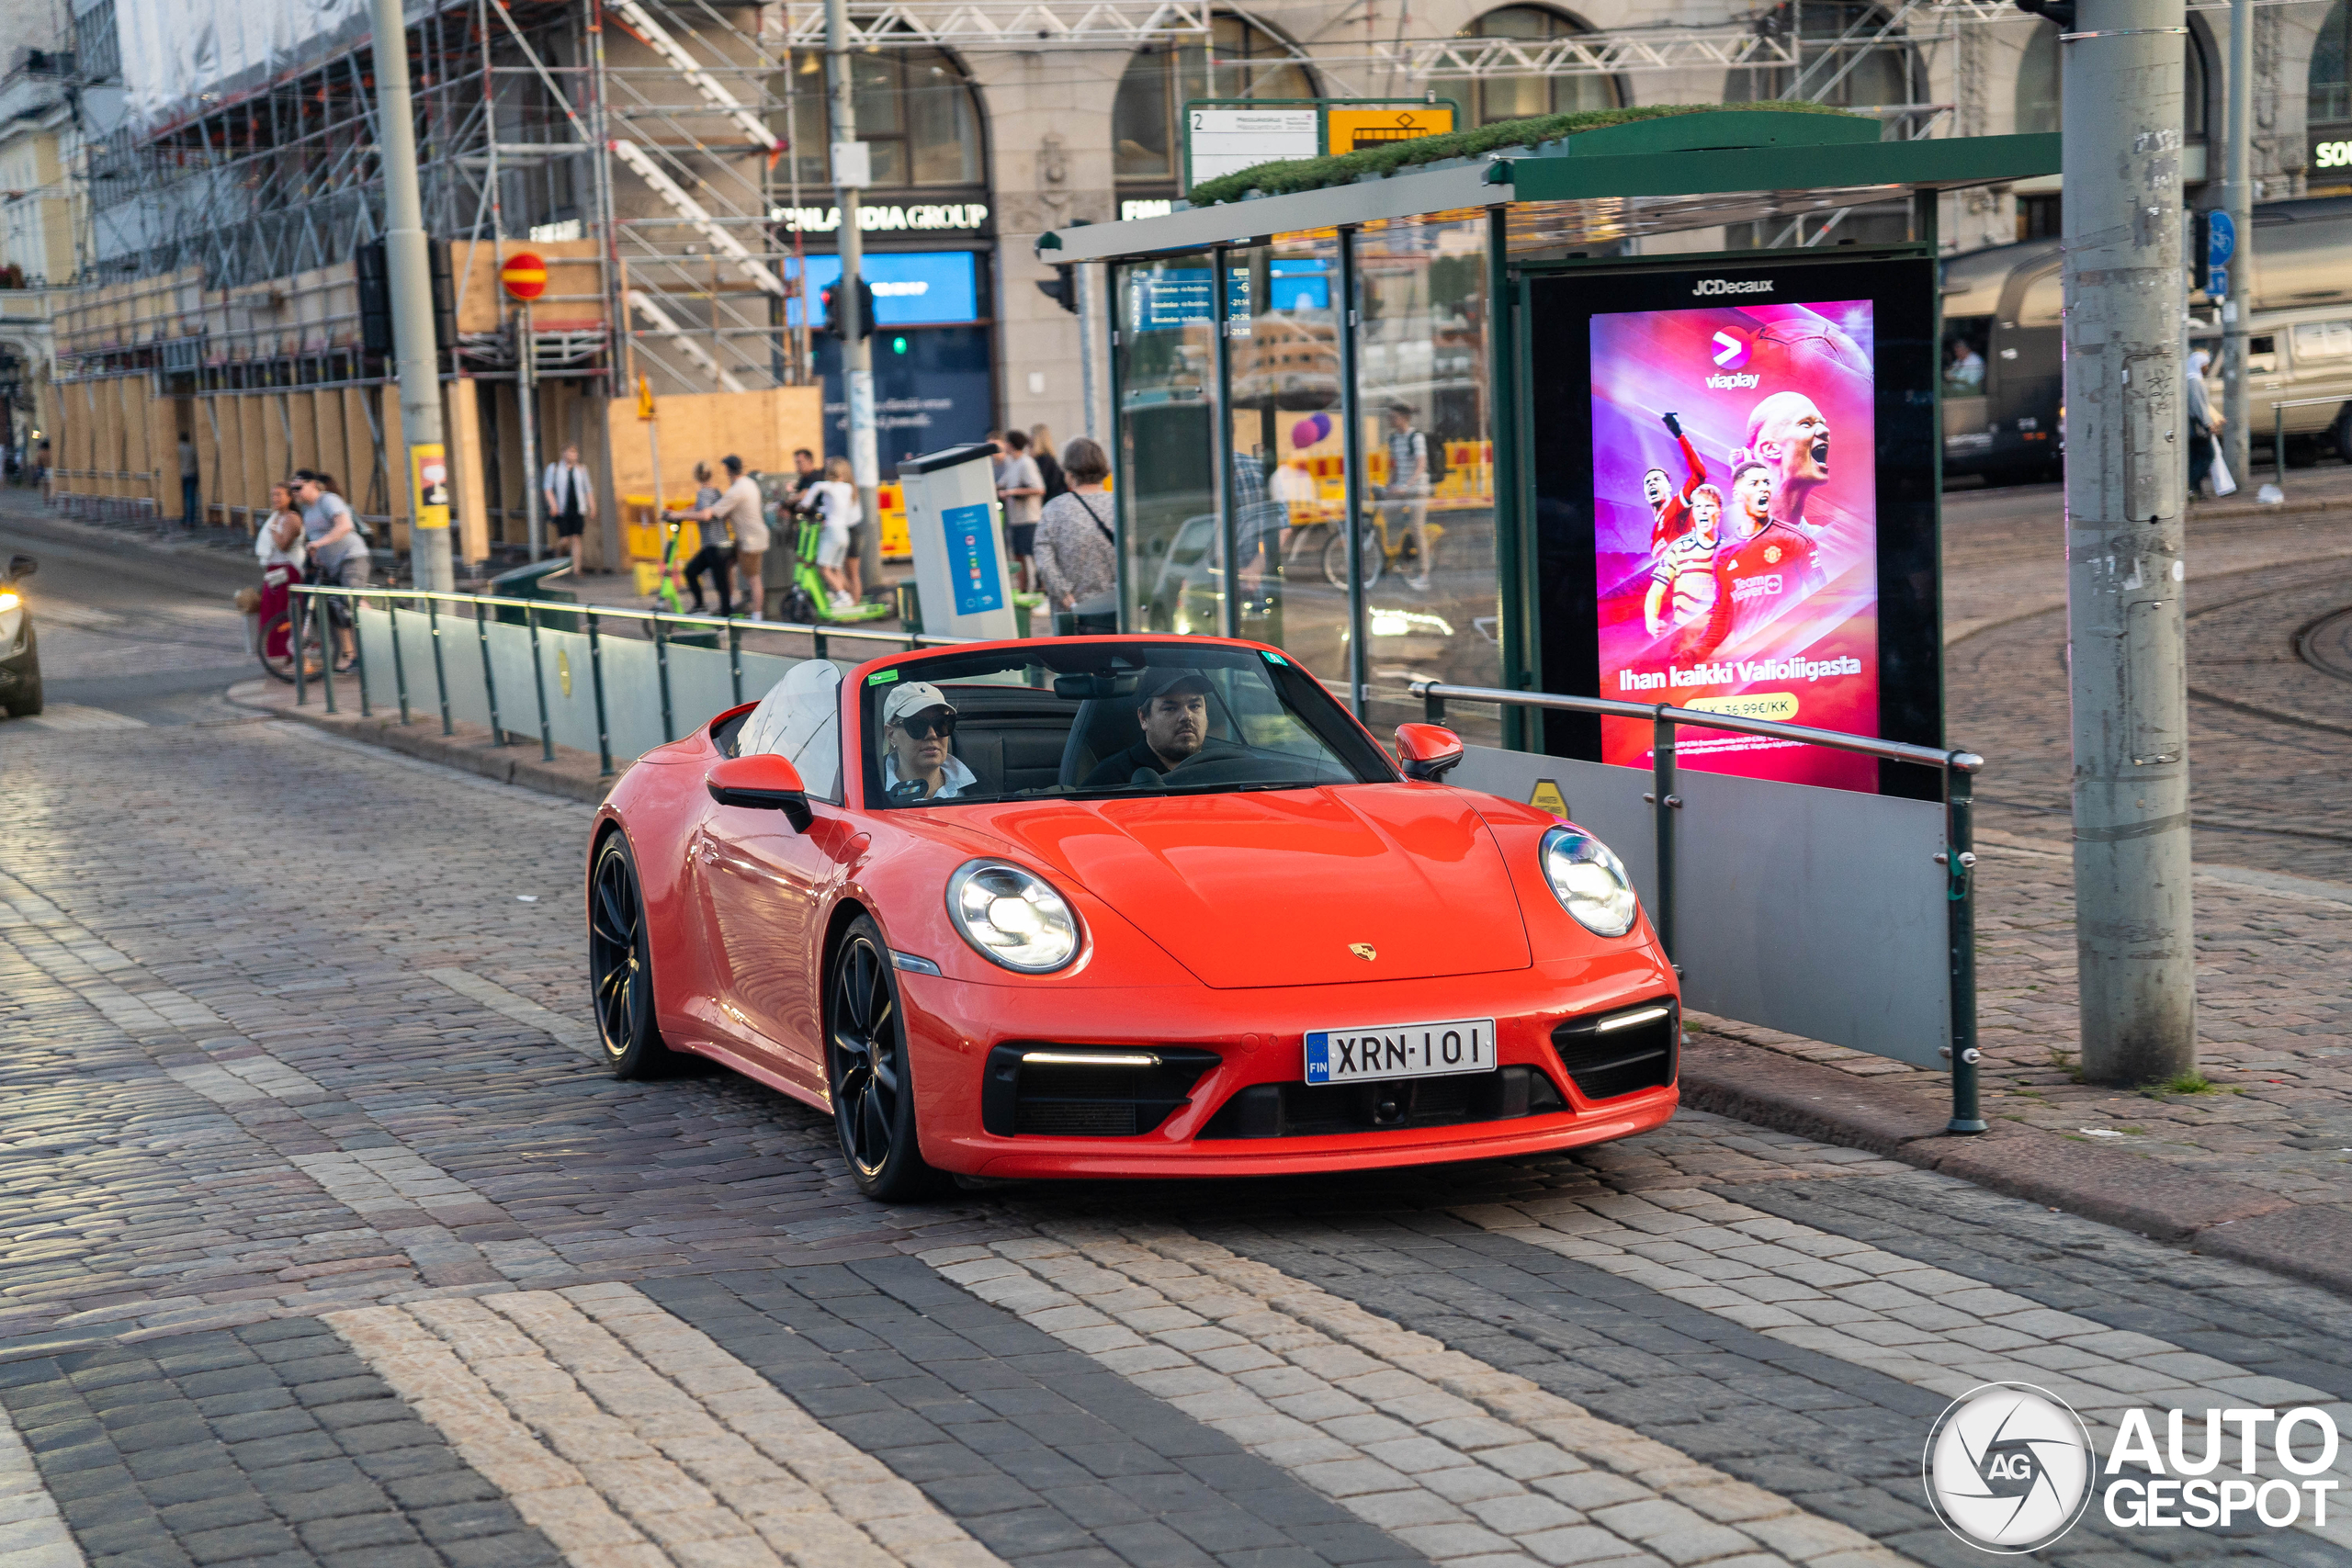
<point x="1012" y="917"/>
<point x="1589" y="882"/>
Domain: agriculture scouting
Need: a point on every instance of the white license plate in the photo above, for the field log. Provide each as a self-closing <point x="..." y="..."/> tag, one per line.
<point x="1401" y="1051"/>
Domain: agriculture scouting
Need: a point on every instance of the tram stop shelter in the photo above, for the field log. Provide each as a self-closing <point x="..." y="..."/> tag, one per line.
<point x="1538" y="376"/>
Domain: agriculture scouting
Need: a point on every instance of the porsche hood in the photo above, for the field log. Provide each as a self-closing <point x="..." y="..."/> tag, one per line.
<point x="1296" y="887"/>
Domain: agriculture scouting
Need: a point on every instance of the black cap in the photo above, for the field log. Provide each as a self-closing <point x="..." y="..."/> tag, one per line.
<point x="1159" y="682"/>
<point x="734" y="464"/>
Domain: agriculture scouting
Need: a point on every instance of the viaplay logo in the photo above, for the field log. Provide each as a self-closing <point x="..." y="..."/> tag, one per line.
<point x="1731" y="351"/>
<point x="2009" y="1468"/>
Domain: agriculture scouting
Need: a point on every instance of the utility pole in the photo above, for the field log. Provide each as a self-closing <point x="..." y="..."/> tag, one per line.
<point x="851" y="171"/>
<point x="409" y="274"/>
<point x="526" y="401"/>
<point x="2127" y="431"/>
<point x="2240" y="203"/>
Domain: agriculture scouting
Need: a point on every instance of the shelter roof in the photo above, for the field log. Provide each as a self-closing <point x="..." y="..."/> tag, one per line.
<point x="1649" y="177"/>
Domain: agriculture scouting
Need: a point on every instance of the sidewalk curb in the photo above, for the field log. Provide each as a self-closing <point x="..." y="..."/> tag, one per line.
<point x="571" y="775"/>
<point x="2209" y="1215"/>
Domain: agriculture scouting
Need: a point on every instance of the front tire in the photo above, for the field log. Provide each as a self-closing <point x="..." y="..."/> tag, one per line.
<point x="620" y="965"/>
<point x="866" y="1071"/>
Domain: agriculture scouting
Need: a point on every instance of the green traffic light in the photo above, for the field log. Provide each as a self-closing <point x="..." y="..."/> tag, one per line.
<point x="898" y="345"/>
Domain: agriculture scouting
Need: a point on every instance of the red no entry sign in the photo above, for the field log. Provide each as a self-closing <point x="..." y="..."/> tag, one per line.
<point x="525" y="275"/>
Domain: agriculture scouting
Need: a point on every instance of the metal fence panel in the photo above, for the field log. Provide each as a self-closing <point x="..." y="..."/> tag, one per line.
<point x="1816" y="911"/>
<point x="633" y="698"/>
<point x="701" y="686"/>
<point x="571" y="691"/>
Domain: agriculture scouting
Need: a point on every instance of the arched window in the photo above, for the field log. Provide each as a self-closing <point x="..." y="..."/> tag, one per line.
<point x="1244" y="60"/>
<point x="1519" y="97"/>
<point x="915" y="108"/>
<point x="2330" y="102"/>
<point x="2037" y="97"/>
<point x="1842" y="59"/>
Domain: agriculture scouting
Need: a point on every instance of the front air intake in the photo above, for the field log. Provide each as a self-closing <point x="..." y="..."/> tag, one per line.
<point x="1623" y="1051"/>
<point x="1086" y="1092"/>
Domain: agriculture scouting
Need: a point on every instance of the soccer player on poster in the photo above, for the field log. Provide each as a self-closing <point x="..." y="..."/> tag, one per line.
<point x="1773" y="569"/>
<point x="1789" y="432"/>
<point x="1682" y="588"/>
<point x="1669" y="512"/>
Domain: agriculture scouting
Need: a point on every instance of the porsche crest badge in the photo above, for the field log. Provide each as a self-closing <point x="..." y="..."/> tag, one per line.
<point x="1363" y="950"/>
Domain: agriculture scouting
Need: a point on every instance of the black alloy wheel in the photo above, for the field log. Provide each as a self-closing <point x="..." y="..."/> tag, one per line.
<point x="865" y="1071"/>
<point x="620" y="965"/>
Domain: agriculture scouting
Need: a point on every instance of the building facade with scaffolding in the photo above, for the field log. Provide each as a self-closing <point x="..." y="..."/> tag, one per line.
<point x="669" y="158"/>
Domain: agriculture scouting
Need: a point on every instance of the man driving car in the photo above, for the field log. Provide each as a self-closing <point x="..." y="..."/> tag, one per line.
<point x="1172" y="705"/>
<point x="917" y="721"/>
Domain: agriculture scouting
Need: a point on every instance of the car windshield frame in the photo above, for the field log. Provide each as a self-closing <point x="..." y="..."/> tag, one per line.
<point x="1349" y="754"/>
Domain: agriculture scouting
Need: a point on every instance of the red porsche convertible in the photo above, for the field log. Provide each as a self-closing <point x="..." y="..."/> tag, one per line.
<point x="1120" y="906"/>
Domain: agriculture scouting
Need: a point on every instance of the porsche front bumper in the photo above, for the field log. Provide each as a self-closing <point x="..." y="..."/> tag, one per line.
<point x="1220" y="1044"/>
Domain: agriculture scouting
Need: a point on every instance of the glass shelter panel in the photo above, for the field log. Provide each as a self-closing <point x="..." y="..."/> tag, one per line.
<point x="1167" y="465"/>
<point x="1432" y="600"/>
<point x="1288" y="443"/>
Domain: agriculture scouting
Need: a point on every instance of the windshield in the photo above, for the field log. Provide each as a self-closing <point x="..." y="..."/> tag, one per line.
<point x="1083" y="720"/>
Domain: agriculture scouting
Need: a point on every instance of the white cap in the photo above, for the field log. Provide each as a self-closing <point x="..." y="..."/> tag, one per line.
<point x="914" y="697"/>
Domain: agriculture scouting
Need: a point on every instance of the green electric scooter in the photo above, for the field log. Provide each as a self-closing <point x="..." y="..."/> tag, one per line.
<point x="809" y="603"/>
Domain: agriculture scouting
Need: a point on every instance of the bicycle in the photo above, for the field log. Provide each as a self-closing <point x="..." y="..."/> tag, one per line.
<point x="274" y="624"/>
<point x="1379" y="551"/>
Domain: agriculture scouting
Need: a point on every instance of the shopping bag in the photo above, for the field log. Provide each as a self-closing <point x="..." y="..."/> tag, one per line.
<point x="2223" y="483"/>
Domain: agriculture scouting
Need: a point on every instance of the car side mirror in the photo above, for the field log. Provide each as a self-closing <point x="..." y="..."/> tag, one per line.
<point x="765" y="783"/>
<point x="21" y="566"/>
<point x="1429" y="751"/>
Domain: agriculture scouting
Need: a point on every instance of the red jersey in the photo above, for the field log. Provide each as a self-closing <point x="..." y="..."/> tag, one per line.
<point x="1756" y="579"/>
<point x="1673" y="519"/>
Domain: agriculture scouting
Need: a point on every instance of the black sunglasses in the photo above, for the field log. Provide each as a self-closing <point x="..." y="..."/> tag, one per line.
<point x="924" y="729"/>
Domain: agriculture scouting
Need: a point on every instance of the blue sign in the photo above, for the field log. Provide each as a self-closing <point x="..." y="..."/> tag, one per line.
<point x="911" y="288"/>
<point x="1298" y="283"/>
<point x="1179" y="297"/>
<point x="971" y="558"/>
<point x="2221" y="237"/>
<point x="2216" y="281"/>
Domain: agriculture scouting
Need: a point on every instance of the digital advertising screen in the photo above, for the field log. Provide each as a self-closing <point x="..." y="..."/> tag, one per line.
<point x="1727" y="523"/>
<point x="1735" y="527"/>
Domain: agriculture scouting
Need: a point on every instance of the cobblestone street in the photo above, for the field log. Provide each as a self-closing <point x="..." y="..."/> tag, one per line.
<point x="329" y="1241"/>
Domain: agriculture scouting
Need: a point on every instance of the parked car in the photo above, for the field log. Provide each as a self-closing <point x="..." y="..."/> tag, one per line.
<point x="1281" y="955"/>
<point x="19" y="649"/>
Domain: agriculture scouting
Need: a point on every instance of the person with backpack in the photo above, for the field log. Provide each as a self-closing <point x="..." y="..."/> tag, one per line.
<point x="1076" y="546"/>
<point x="1416" y="464"/>
<point x="338" y="548"/>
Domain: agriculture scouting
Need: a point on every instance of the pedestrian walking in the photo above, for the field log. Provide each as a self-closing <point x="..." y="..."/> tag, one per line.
<point x="1023" y="490"/>
<point x="2205" y="421"/>
<point x="1078" y="556"/>
<point x="338" y="548"/>
<point x="570" y="496"/>
<point x="834" y="498"/>
<point x="191" y="487"/>
<point x="739" y="507"/>
<point x="279" y="541"/>
<point x="1041" y="448"/>
<point x="715" y="559"/>
<point x="1406" y="494"/>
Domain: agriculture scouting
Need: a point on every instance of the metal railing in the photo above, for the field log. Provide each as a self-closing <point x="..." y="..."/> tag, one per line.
<point x="590" y="617"/>
<point x="2278" y="432"/>
<point x="1957" y="858"/>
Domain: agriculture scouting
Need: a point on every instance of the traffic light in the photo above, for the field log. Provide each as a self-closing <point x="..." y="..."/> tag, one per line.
<point x="1062" y="288"/>
<point x="864" y="308"/>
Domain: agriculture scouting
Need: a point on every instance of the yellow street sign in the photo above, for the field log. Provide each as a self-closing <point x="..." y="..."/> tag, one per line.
<point x="428" y="472"/>
<point x="1547" y="797"/>
<point x="1356" y="130"/>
